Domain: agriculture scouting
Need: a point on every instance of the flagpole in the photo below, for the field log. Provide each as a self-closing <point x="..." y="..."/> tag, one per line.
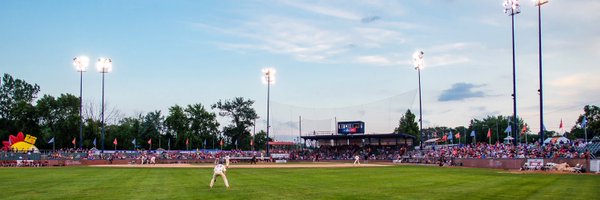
<point x="465" y="133"/>
<point x="497" y="131"/>
<point x="489" y="136"/>
<point x="585" y="133"/>
<point x="525" y="137"/>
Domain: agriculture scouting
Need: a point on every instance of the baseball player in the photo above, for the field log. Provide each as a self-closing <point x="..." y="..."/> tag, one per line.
<point x="227" y="160"/>
<point x="356" y="160"/>
<point x="219" y="170"/>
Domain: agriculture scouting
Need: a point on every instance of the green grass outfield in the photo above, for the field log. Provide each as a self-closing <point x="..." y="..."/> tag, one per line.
<point x="395" y="182"/>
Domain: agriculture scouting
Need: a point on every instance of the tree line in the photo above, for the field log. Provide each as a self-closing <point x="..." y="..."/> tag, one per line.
<point x="497" y="126"/>
<point x="183" y="127"/>
<point x="195" y="126"/>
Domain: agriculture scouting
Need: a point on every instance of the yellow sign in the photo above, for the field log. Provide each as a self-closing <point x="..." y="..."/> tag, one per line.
<point x="30" y="139"/>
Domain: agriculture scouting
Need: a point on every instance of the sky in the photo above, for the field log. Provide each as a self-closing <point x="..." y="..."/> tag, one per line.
<point x="333" y="58"/>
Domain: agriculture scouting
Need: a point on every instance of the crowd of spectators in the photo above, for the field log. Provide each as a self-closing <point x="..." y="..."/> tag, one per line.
<point x="347" y="152"/>
<point x="137" y="156"/>
<point x="432" y="154"/>
<point x="502" y="150"/>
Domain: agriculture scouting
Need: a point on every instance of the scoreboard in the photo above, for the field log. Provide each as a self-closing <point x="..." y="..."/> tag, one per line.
<point x="351" y="127"/>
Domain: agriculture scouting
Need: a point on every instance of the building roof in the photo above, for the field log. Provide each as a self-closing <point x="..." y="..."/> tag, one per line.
<point x="358" y="136"/>
<point x="281" y="143"/>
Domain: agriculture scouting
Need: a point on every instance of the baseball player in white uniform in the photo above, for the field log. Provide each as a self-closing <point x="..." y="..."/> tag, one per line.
<point x="356" y="160"/>
<point x="227" y="160"/>
<point x="219" y="170"/>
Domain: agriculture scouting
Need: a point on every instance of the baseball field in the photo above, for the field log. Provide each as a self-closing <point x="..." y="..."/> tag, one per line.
<point x="304" y="182"/>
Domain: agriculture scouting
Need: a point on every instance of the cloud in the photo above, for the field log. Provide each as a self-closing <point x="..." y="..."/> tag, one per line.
<point x="376" y="60"/>
<point x="338" y="39"/>
<point x="370" y="19"/>
<point x="377" y="37"/>
<point x="444" y="60"/>
<point x="461" y="91"/>
<point x="451" y="47"/>
<point x="304" y="40"/>
<point x="446" y="54"/>
<point x="381" y="60"/>
<point x="324" y="10"/>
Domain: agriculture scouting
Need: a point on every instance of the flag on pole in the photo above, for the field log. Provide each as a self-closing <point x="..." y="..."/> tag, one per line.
<point x="150" y="141"/>
<point x="133" y="141"/>
<point x="445" y="137"/>
<point x="450" y="136"/>
<point x="583" y="122"/>
<point x="473" y="133"/>
<point x="489" y="135"/>
<point x="204" y="143"/>
<point x="523" y="130"/>
<point x="251" y="142"/>
<point x="115" y="141"/>
<point x="51" y="141"/>
<point x="73" y="141"/>
<point x="221" y="142"/>
<point x="508" y="129"/>
<point x="561" y="125"/>
<point x="187" y="141"/>
<point x="236" y="142"/>
<point x="94" y="142"/>
<point x="457" y="135"/>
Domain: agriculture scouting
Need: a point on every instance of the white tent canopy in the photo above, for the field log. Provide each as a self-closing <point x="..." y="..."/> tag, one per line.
<point x="432" y="140"/>
<point x="557" y="140"/>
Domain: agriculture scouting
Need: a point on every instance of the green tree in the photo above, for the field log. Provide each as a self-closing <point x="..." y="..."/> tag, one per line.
<point x="242" y="116"/>
<point x="408" y="125"/>
<point x="16" y="110"/>
<point x="150" y="128"/>
<point x="203" y="126"/>
<point x="260" y="140"/>
<point x="176" y="124"/>
<point x="592" y="115"/>
<point x="497" y="125"/>
<point x="129" y="128"/>
<point x="59" y="119"/>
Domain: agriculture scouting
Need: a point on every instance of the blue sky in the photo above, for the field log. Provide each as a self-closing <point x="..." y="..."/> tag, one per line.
<point x="333" y="58"/>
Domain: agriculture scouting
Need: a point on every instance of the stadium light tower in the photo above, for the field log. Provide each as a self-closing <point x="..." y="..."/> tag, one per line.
<point x="539" y="4"/>
<point x="81" y="63"/>
<point x="104" y="65"/>
<point x="268" y="78"/>
<point x="418" y="62"/>
<point x="512" y="7"/>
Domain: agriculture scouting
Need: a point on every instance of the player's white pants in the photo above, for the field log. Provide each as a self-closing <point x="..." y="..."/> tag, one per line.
<point x="212" y="182"/>
<point x="356" y="162"/>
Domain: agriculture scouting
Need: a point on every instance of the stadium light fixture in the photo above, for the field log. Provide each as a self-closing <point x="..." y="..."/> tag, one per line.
<point x="104" y="65"/>
<point x="512" y="7"/>
<point x="81" y="63"/>
<point x="418" y="62"/>
<point x="268" y="78"/>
